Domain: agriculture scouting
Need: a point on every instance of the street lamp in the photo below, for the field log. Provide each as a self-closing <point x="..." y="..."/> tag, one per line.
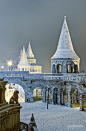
<point x="2" y="67"/>
<point x="48" y="98"/>
<point x="9" y="63"/>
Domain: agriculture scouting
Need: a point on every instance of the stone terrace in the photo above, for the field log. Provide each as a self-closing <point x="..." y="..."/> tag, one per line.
<point x="56" y="118"/>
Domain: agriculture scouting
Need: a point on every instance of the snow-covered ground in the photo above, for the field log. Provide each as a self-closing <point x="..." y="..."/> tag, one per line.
<point x="56" y="118"/>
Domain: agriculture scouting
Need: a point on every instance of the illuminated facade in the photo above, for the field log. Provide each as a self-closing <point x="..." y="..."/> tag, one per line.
<point x="65" y="85"/>
<point x="28" y="62"/>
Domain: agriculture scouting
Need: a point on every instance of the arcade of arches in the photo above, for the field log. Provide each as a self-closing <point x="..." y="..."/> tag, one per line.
<point x="69" y="68"/>
<point x="37" y="93"/>
<point x="66" y="95"/>
<point x="57" y="92"/>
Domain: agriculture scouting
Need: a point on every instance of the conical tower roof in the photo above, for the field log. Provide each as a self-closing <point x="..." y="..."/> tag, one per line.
<point x="23" y="58"/>
<point x="65" y="47"/>
<point x="29" y="52"/>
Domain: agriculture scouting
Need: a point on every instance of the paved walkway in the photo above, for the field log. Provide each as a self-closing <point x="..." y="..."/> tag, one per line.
<point x="56" y="118"/>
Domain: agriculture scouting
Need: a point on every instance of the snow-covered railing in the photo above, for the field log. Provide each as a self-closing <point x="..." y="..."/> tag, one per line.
<point x="66" y="77"/>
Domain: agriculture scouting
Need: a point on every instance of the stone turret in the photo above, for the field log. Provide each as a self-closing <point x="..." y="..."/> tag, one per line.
<point x="29" y="52"/>
<point x="23" y="63"/>
<point x="65" y="60"/>
<point x="28" y="62"/>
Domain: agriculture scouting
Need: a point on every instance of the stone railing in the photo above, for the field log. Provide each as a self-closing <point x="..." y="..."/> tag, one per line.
<point x="23" y="74"/>
<point x="81" y="77"/>
<point x="76" y="77"/>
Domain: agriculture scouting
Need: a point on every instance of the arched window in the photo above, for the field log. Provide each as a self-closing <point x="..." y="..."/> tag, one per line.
<point x="69" y="68"/>
<point x="59" y="68"/>
<point x="75" y="68"/>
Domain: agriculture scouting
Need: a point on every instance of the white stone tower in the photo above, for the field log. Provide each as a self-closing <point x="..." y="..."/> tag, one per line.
<point x="29" y="52"/>
<point x="23" y="63"/>
<point x="27" y="61"/>
<point x="65" y="60"/>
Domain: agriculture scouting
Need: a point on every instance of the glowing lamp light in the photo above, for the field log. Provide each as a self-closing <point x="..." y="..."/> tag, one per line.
<point x="2" y="67"/>
<point x="9" y="63"/>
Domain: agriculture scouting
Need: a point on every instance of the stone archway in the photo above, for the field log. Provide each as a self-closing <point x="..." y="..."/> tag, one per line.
<point x="19" y="82"/>
<point x="38" y="84"/>
<point x="37" y="94"/>
<point x="75" y="98"/>
<point x="10" y="88"/>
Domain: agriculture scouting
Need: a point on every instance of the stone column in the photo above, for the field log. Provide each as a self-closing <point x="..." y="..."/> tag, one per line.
<point x="62" y="98"/>
<point x="59" y="102"/>
<point x="56" y="68"/>
<point x="69" y="99"/>
<point x="64" y="67"/>
<point x="53" y="67"/>
<point x="52" y="96"/>
<point x="78" y="68"/>
<point x="81" y="108"/>
<point x="44" y="95"/>
<point x="31" y="97"/>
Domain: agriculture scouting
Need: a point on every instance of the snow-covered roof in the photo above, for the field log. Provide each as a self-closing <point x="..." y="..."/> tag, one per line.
<point x="29" y="52"/>
<point x="23" y="58"/>
<point x="65" y="47"/>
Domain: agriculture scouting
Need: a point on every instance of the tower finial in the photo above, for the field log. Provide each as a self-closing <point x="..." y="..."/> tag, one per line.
<point x="64" y="17"/>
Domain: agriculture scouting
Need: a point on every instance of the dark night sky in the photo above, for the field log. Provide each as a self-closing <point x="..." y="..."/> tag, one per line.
<point x="40" y="22"/>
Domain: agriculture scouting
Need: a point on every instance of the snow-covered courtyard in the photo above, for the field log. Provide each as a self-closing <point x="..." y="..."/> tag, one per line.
<point x="56" y="118"/>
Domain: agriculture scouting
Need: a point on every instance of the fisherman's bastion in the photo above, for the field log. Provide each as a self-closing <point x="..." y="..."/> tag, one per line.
<point x="65" y="85"/>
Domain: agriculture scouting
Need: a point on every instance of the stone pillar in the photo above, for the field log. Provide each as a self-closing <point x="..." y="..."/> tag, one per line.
<point x="53" y="69"/>
<point x="62" y="98"/>
<point x="64" y="68"/>
<point x="78" y="68"/>
<point x="69" y="99"/>
<point x="81" y="108"/>
<point x="31" y="97"/>
<point x="59" y="102"/>
<point x="56" y="68"/>
<point x="52" y="96"/>
<point x="44" y="95"/>
<point x="2" y="91"/>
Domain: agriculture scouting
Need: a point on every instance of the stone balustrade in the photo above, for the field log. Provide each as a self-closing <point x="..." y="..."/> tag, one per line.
<point x="76" y="77"/>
